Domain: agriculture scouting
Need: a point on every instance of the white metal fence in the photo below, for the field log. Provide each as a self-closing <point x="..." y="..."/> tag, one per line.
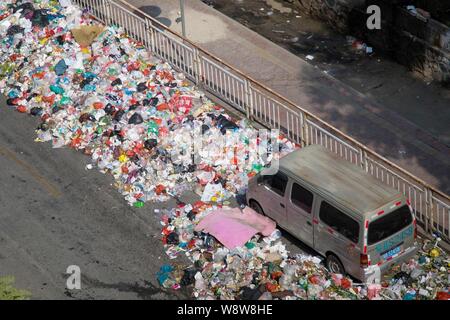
<point x="432" y="207"/>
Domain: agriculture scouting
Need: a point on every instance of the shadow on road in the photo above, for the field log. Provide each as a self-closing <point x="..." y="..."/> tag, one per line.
<point x="154" y="12"/>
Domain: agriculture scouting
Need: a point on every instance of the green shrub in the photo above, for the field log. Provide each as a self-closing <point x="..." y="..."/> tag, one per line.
<point x="8" y="292"/>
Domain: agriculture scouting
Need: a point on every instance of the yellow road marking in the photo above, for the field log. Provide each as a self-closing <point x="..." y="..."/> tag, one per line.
<point x="52" y="190"/>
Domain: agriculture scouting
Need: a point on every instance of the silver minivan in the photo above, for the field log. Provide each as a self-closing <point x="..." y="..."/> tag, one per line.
<point x="360" y="225"/>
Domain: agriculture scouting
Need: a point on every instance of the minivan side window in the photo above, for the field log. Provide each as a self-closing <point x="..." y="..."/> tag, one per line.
<point x="301" y="197"/>
<point x="277" y="183"/>
<point x="339" y="221"/>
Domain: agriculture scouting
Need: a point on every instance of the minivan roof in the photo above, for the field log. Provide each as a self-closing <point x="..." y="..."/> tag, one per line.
<point x="339" y="179"/>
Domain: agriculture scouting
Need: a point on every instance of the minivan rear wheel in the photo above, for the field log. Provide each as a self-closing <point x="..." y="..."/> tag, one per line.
<point x="255" y="206"/>
<point x="334" y="265"/>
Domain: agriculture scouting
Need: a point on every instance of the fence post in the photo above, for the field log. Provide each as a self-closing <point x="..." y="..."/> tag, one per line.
<point x="305" y="132"/>
<point x="108" y="19"/>
<point x="428" y="210"/>
<point x="431" y="208"/>
<point x="149" y="27"/>
<point x="248" y="100"/>
<point x="197" y="67"/>
<point x="302" y="134"/>
<point x="363" y="158"/>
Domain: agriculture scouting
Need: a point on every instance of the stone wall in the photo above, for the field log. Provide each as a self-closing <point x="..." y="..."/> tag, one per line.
<point x="419" y="42"/>
<point x="334" y="12"/>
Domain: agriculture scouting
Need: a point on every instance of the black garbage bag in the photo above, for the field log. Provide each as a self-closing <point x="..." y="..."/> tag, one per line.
<point x="122" y="51"/>
<point x="173" y="238"/>
<point x="119" y="114"/>
<point x="136" y="118"/>
<point x="133" y="107"/>
<point x="154" y="101"/>
<point x="250" y="294"/>
<point x="224" y="124"/>
<point x="241" y="199"/>
<point x="117" y="133"/>
<point x="40" y="18"/>
<point x="109" y="109"/>
<point x="150" y="143"/>
<point x="116" y="82"/>
<point x="60" y="40"/>
<point x="18" y="46"/>
<point x="31" y="96"/>
<point x="43" y="126"/>
<point x="27" y="8"/>
<point x="11" y="102"/>
<point x="14" y="30"/>
<point x="86" y="117"/>
<point x="191" y="215"/>
<point x="191" y="168"/>
<point x="85" y="82"/>
<point x="111" y="97"/>
<point x="205" y="128"/>
<point x="36" y="111"/>
<point x="141" y="87"/>
<point x="188" y="277"/>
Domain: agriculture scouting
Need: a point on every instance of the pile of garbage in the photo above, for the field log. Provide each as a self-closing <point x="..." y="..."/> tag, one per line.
<point x="97" y="90"/>
<point x="359" y="45"/>
<point x="263" y="269"/>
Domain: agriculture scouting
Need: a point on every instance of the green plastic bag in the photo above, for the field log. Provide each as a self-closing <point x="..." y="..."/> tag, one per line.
<point x="56" y="89"/>
<point x="153" y="128"/>
<point x="138" y="204"/>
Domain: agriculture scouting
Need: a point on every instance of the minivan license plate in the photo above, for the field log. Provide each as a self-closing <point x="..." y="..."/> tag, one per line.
<point x="390" y="253"/>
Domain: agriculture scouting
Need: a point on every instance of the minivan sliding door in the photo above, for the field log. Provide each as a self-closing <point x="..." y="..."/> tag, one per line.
<point x="299" y="206"/>
<point x="338" y="233"/>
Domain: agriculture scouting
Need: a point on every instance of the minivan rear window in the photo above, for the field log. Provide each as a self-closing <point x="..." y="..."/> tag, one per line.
<point x="389" y="224"/>
<point x="339" y="221"/>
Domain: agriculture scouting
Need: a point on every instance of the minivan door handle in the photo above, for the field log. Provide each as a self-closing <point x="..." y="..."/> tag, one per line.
<point x="282" y="205"/>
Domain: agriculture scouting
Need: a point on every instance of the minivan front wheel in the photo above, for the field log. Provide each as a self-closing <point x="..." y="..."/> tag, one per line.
<point x="334" y="265"/>
<point x="255" y="206"/>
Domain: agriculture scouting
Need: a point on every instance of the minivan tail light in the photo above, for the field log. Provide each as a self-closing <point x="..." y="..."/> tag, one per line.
<point x="364" y="260"/>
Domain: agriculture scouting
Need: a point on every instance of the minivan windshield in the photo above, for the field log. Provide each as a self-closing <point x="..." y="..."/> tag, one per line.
<point x="389" y="224"/>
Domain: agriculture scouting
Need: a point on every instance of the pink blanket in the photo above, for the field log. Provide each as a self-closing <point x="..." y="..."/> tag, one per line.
<point x="234" y="228"/>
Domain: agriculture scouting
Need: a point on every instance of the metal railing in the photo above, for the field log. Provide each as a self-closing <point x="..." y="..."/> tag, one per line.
<point x="260" y="103"/>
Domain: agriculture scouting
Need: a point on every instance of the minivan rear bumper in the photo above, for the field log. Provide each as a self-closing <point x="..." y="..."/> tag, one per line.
<point x="368" y="273"/>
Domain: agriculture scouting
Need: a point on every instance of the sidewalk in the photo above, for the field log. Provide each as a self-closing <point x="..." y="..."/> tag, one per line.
<point x="373" y="124"/>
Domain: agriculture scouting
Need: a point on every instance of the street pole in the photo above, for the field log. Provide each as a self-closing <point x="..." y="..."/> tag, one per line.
<point x="183" y="23"/>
